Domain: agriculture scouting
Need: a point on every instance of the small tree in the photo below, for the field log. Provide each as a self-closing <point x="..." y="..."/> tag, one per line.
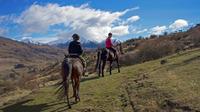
<point x="140" y="37"/>
<point x="153" y="36"/>
<point x="165" y="33"/>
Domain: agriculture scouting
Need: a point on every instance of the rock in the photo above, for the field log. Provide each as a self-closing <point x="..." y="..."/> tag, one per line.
<point x="17" y="66"/>
<point x="163" y="62"/>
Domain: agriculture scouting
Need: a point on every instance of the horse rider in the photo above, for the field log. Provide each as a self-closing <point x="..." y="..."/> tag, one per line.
<point x="109" y="44"/>
<point x="75" y="50"/>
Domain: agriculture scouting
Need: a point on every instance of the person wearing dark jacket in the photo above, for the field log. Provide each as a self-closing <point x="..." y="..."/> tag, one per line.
<point x="75" y="49"/>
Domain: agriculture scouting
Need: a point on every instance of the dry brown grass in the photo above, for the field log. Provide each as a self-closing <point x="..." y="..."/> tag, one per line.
<point x="155" y="47"/>
<point x="37" y="59"/>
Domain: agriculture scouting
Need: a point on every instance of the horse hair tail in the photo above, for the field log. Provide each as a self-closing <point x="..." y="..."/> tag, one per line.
<point x="66" y="69"/>
<point x="98" y="60"/>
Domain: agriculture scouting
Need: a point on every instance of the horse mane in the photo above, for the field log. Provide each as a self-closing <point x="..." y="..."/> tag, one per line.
<point x="119" y="48"/>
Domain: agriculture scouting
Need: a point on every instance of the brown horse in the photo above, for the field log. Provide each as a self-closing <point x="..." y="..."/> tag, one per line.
<point x="104" y="55"/>
<point x="72" y="67"/>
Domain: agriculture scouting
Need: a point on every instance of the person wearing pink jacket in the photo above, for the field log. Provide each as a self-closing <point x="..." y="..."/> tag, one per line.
<point x="109" y="44"/>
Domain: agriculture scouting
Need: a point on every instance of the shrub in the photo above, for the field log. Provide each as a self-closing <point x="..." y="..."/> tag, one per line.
<point x="7" y="86"/>
<point x="129" y="59"/>
<point x="31" y="85"/>
<point x="151" y="50"/>
<point x="131" y="48"/>
<point x="196" y="40"/>
<point x="23" y="81"/>
<point x="54" y="77"/>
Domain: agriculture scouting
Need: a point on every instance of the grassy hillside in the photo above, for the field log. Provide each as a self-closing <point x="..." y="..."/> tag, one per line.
<point x="29" y="67"/>
<point x="14" y="52"/>
<point x="20" y="62"/>
<point x="173" y="86"/>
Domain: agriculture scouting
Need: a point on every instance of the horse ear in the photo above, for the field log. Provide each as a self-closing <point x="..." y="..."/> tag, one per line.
<point x="65" y="56"/>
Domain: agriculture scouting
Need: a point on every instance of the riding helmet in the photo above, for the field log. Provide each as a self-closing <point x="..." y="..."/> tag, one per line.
<point x="75" y="36"/>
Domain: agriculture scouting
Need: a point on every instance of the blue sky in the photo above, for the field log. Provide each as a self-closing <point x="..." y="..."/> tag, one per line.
<point x="56" y="20"/>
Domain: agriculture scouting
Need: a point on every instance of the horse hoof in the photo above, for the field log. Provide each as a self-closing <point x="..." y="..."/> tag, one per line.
<point x="79" y="99"/>
<point x="70" y="107"/>
<point x="76" y="100"/>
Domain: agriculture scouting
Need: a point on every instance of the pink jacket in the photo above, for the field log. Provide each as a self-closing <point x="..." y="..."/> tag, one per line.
<point x="108" y="43"/>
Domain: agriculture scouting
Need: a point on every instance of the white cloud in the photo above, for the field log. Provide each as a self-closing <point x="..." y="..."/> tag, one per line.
<point x="120" y="30"/>
<point x="133" y="18"/>
<point x="178" y="24"/>
<point x="89" y="23"/>
<point x="2" y="31"/>
<point x="24" y="38"/>
<point x="2" y="18"/>
<point x="7" y="18"/>
<point x="157" y="30"/>
<point x="138" y="31"/>
<point x="89" y="33"/>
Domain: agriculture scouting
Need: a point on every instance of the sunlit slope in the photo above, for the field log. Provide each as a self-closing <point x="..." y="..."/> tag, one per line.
<point x="173" y="86"/>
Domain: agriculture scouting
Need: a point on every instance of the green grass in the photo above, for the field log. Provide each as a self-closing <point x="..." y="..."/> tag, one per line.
<point x="174" y="86"/>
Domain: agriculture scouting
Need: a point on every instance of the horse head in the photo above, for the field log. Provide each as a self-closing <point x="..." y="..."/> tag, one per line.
<point x="120" y="48"/>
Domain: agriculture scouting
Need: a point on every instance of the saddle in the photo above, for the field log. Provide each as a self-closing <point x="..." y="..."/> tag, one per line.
<point x="72" y="56"/>
<point x="110" y="54"/>
<point x="76" y="57"/>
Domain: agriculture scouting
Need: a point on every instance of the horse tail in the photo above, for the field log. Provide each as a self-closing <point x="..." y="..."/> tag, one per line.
<point x="98" y="60"/>
<point x="66" y="75"/>
<point x="66" y="70"/>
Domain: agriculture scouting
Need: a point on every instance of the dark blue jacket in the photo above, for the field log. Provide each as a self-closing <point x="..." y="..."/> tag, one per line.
<point x="75" y="48"/>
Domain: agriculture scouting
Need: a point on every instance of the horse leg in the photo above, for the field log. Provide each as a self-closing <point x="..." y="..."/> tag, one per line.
<point x="76" y="90"/>
<point x="99" y="68"/>
<point x="117" y="60"/>
<point x="75" y="84"/>
<point x="103" y="67"/>
<point x="78" y="87"/>
<point x="73" y="87"/>
<point x="110" y="67"/>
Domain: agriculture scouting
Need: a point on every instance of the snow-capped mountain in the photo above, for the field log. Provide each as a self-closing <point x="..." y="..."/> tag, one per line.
<point x="64" y="43"/>
<point x="30" y="41"/>
<point x="84" y="42"/>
